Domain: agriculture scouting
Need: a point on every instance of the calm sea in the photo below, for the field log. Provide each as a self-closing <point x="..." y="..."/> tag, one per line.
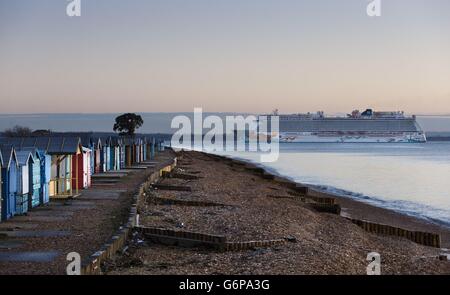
<point x="409" y="178"/>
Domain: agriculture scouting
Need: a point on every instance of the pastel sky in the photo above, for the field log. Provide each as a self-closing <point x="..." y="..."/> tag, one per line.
<point x="224" y="55"/>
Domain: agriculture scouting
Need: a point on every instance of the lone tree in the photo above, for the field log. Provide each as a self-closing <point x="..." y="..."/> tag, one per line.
<point x="127" y="124"/>
<point x="17" y="131"/>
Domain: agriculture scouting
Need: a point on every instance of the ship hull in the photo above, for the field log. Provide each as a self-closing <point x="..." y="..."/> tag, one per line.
<point x="313" y="138"/>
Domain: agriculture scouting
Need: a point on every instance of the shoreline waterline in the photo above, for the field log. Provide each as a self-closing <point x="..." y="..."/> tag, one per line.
<point x="406" y="178"/>
<point x="341" y="193"/>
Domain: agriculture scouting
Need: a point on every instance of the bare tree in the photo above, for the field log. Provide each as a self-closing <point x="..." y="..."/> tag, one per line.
<point x="17" y="131"/>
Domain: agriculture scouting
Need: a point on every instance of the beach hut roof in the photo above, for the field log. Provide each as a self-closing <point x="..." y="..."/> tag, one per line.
<point x="42" y="143"/>
<point x="19" y="142"/>
<point x="96" y="141"/>
<point x="24" y="156"/>
<point x="147" y="139"/>
<point x="106" y="140"/>
<point x="102" y="140"/>
<point x="130" y="140"/>
<point x="8" y="154"/>
<point x="85" y="139"/>
<point x="36" y="152"/>
<point x="64" y="145"/>
<point x="50" y="145"/>
<point x="115" y="141"/>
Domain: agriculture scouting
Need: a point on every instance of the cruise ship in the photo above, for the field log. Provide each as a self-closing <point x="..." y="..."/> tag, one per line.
<point x="358" y="127"/>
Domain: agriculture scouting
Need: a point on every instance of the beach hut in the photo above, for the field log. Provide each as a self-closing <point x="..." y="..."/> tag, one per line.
<point x="112" y="153"/>
<point x="135" y="151"/>
<point x="61" y="150"/>
<point x="112" y="143"/>
<point x="35" y="183"/>
<point x="129" y="151"/>
<point x="152" y="156"/>
<point x="160" y="145"/>
<point x="88" y="142"/>
<point x="141" y="149"/>
<point x="25" y="161"/>
<point x="118" y="153"/>
<point x="9" y="181"/>
<point x="128" y="155"/>
<point x="40" y="178"/>
<point x="115" y="144"/>
<point x="81" y="168"/>
<point x="122" y="154"/>
<point x="106" y="154"/>
<point x="148" y="148"/>
<point x="144" y="149"/>
<point x="92" y="161"/>
<point x="140" y="153"/>
<point x="97" y="151"/>
<point x="46" y="162"/>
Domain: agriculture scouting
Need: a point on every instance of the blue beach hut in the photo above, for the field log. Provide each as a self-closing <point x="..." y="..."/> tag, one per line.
<point x="25" y="161"/>
<point x="9" y="181"/>
<point x="39" y="178"/>
<point x="45" y="165"/>
<point x="144" y="149"/>
<point x="112" y="153"/>
<point x="39" y="184"/>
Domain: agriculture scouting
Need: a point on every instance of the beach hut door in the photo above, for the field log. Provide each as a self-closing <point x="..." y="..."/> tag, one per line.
<point x="86" y="169"/>
<point x="11" y="203"/>
<point x="35" y="187"/>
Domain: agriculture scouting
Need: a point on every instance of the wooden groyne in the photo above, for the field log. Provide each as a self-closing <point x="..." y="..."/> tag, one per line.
<point x="190" y="239"/>
<point x="422" y="238"/>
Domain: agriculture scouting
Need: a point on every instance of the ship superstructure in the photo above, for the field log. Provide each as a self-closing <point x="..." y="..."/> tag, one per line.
<point x="368" y="126"/>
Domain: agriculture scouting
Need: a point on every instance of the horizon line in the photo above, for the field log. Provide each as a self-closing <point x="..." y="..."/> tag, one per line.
<point x="184" y="112"/>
